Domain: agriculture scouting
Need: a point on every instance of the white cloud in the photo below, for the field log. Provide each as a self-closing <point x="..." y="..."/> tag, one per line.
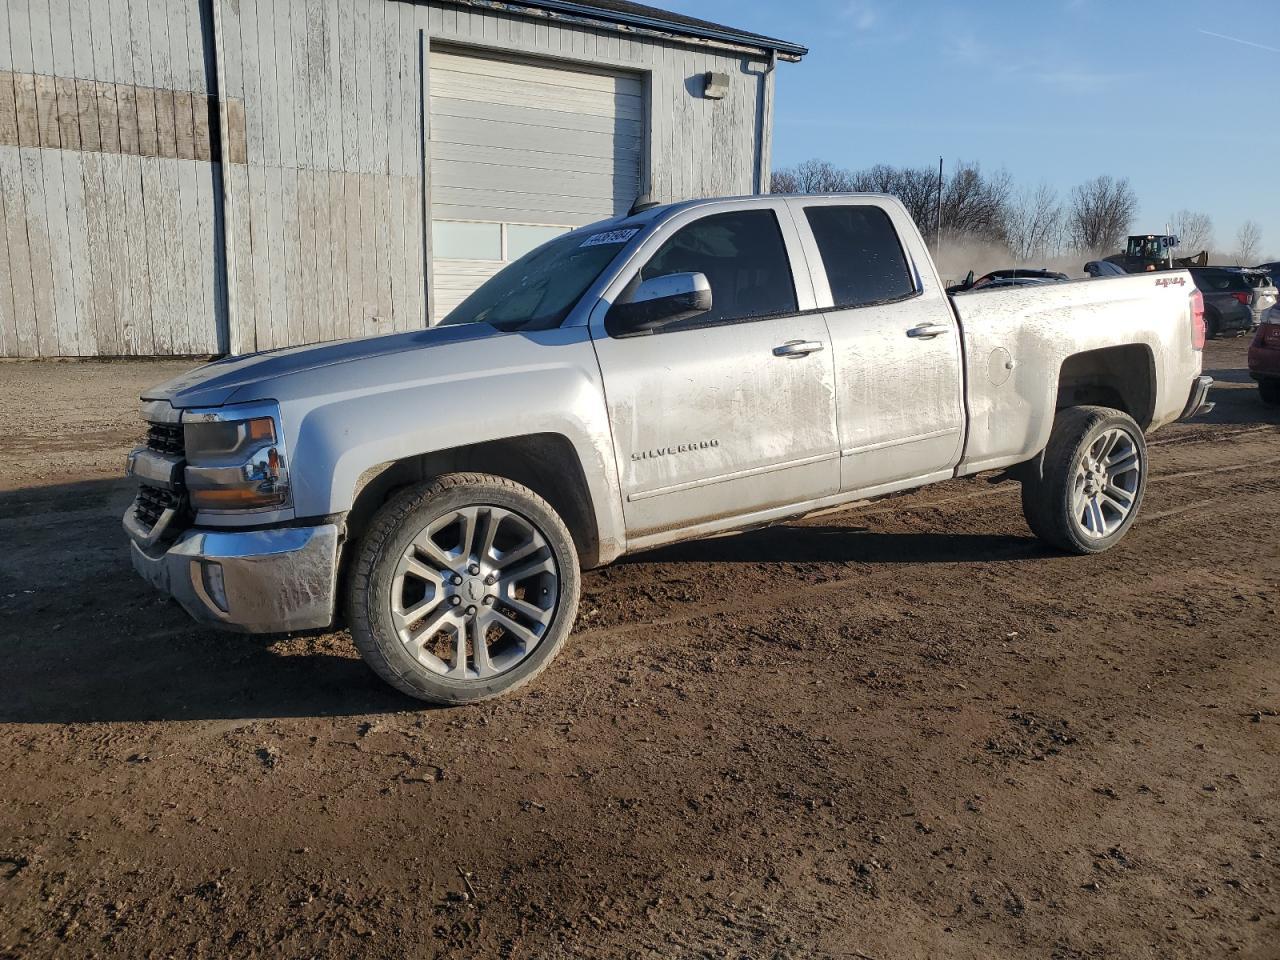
<point x="1247" y="43"/>
<point x="861" y="14"/>
<point x="1084" y="81"/>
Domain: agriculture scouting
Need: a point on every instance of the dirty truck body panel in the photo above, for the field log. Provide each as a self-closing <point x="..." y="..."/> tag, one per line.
<point x="831" y="366"/>
<point x="1017" y="340"/>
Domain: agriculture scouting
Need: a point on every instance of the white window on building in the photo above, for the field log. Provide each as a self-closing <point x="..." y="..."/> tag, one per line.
<point x="468" y="252"/>
<point x="462" y="240"/>
<point x="524" y="237"/>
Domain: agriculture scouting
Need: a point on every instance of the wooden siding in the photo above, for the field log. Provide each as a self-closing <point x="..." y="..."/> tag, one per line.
<point x="325" y="218"/>
<point x="107" y="238"/>
<point x="91" y="121"/>
<point x="119" y="241"/>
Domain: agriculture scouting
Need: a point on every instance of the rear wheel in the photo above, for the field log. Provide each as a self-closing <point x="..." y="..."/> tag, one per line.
<point x="1270" y="391"/>
<point x="1092" y="481"/>
<point x="1212" y="324"/>
<point x="463" y="589"/>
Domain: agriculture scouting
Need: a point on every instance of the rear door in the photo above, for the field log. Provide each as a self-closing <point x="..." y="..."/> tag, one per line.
<point x="732" y="412"/>
<point x="895" y="339"/>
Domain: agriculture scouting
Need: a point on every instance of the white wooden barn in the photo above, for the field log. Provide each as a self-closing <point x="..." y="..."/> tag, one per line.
<point x="223" y="176"/>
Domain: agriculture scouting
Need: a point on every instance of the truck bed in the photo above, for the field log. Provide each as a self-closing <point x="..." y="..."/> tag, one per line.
<point x="1017" y="340"/>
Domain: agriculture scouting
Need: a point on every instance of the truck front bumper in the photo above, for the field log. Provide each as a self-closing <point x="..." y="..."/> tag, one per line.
<point x="1198" y="402"/>
<point x="256" y="581"/>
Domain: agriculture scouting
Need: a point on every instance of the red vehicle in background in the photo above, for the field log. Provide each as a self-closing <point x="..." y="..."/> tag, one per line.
<point x="1264" y="358"/>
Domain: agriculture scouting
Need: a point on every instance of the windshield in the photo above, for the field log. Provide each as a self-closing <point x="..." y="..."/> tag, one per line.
<point x="538" y="290"/>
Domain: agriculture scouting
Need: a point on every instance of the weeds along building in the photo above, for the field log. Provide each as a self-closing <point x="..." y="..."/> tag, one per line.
<point x="213" y="176"/>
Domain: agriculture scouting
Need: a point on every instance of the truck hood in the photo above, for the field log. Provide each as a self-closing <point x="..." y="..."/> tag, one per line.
<point x="217" y="383"/>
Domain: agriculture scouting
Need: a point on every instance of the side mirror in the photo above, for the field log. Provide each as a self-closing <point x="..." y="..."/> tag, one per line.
<point x="968" y="281"/>
<point x="657" y="302"/>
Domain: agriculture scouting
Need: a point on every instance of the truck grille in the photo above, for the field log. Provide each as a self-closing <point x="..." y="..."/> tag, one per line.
<point x="152" y="502"/>
<point x="165" y="438"/>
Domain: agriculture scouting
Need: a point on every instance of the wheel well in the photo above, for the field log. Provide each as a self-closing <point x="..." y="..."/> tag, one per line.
<point x="1123" y="378"/>
<point x="546" y="463"/>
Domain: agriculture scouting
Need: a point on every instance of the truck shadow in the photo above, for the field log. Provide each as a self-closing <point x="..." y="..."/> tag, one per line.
<point x="1231" y="375"/>
<point x="83" y="639"/>
<point x="1237" y="400"/>
<point x="832" y="543"/>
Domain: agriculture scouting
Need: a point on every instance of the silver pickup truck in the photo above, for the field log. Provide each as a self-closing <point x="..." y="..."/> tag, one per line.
<point x="692" y="369"/>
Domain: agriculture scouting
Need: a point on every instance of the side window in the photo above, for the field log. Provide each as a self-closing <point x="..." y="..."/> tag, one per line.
<point x="744" y="258"/>
<point x="861" y="253"/>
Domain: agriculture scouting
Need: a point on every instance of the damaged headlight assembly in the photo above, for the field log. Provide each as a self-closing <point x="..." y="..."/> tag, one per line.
<point x="236" y="459"/>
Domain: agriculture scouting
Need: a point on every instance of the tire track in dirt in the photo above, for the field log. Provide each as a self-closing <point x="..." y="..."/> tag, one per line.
<point x="866" y="572"/>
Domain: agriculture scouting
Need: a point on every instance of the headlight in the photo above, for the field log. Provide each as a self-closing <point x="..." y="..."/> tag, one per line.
<point x="235" y="459"/>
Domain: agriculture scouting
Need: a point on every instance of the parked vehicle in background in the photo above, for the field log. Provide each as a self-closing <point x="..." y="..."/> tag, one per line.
<point x="1103" y="268"/>
<point x="1019" y="277"/>
<point x="1234" y="300"/>
<point x="1264" y="359"/>
<point x="1264" y="283"/>
<point x="693" y="369"/>
<point x="1146" y="253"/>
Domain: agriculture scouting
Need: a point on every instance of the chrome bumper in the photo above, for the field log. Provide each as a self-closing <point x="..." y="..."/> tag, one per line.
<point x="1198" y="402"/>
<point x="258" y="581"/>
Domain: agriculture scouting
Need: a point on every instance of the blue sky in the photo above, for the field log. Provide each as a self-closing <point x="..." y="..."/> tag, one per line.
<point x="1058" y="91"/>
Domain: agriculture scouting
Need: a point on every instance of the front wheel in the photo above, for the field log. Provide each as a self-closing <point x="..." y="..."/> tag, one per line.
<point x="463" y="589"/>
<point x="1269" y="391"/>
<point x="1090" y="488"/>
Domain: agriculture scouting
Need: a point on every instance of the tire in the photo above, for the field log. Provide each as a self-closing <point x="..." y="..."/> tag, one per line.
<point x="1212" y="325"/>
<point x="1095" y="463"/>
<point x="1269" y="390"/>
<point x="401" y="593"/>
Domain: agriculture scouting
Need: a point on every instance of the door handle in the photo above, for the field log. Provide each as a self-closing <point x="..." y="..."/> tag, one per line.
<point x="927" y="331"/>
<point x="798" y="348"/>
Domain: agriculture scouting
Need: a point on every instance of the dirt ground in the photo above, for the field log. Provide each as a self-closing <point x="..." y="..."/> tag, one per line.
<point x="905" y="730"/>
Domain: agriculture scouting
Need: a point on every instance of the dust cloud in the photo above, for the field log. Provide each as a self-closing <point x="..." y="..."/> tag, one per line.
<point x="957" y="258"/>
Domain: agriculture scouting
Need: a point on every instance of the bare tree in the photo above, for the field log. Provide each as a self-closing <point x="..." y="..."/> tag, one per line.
<point x="1193" y="230"/>
<point x="812" y="176"/>
<point x="1248" y="240"/>
<point x="916" y="187"/>
<point x="1101" y="212"/>
<point x="976" y="206"/>
<point x="1034" y="224"/>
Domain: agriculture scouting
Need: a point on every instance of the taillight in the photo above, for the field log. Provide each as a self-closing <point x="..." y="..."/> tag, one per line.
<point x="1197" y="320"/>
<point x="1243" y="297"/>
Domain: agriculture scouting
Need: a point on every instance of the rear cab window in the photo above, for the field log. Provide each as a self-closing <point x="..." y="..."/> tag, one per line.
<point x="861" y="254"/>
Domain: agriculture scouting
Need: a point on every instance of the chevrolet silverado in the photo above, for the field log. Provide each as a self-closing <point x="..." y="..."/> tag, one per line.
<point x="689" y="370"/>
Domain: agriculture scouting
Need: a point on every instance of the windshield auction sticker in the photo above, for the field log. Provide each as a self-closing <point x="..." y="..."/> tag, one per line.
<point x="613" y="236"/>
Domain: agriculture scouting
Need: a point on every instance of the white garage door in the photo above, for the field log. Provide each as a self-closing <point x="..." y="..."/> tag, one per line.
<point x="521" y="152"/>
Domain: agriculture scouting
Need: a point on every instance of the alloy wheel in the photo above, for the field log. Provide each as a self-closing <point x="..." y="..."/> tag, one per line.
<point x="1107" y="479"/>
<point x="475" y="592"/>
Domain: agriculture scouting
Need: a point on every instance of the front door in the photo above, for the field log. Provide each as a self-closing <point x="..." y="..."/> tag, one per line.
<point x="731" y="412"/>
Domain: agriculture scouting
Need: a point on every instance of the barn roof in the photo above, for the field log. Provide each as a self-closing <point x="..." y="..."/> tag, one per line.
<point x="639" y="15"/>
